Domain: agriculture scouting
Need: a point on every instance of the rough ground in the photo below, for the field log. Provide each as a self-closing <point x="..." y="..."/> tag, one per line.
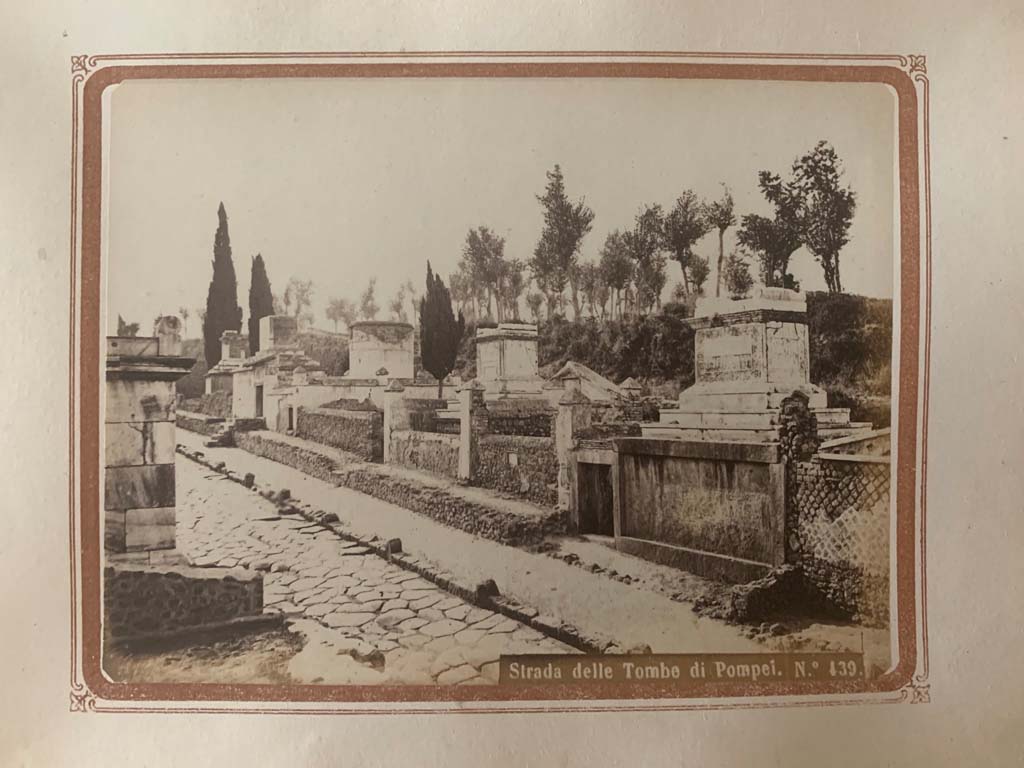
<point x="591" y="601"/>
<point x="366" y="621"/>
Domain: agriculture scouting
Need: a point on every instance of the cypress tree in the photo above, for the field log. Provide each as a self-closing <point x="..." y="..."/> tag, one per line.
<point x="222" y="310"/>
<point x="440" y="331"/>
<point x="261" y="301"/>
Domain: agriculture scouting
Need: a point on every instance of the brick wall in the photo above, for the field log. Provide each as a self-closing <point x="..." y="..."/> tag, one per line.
<point x="520" y="465"/>
<point x="838" y="530"/>
<point x="427" y="451"/>
<point x="360" y="432"/>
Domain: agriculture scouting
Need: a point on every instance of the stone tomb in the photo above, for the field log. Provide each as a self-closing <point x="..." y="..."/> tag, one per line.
<point x="506" y="360"/>
<point x="149" y="589"/>
<point x="139" y="439"/>
<point x="381" y="350"/>
<point x="750" y="355"/>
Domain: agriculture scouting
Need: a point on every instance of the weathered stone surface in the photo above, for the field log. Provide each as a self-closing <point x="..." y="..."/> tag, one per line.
<point x="145" y="442"/>
<point x="442" y="628"/>
<point x="138" y="487"/>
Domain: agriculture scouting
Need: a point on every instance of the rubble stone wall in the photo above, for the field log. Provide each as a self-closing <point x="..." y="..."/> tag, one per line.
<point x="524" y="417"/>
<point x="436" y="502"/>
<point x="839" y="532"/>
<point x="427" y="451"/>
<point x="360" y="432"/>
<point x="143" y="600"/>
<point x="519" y="465"/>
<point x="198" y="422"/>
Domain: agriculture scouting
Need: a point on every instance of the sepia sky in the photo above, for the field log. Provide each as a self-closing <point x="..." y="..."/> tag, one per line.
<point x="340" y="180"/>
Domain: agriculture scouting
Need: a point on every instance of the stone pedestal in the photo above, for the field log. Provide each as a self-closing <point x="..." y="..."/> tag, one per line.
<point x="750" y="355"/>
<point x="139" y="446"/>
<point x="506" y="360"/>
<point x="472" y="424"/>
<point x="574" y="415"/>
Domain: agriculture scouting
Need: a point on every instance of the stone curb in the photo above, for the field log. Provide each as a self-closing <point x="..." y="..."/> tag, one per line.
<point x="483" y="595"/>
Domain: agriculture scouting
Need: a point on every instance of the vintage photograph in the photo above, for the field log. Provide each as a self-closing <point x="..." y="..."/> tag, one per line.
<point x="488" y="385"/>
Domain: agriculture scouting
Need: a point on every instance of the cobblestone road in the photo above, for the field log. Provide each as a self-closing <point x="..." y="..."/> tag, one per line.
<point x="396" y="626"/>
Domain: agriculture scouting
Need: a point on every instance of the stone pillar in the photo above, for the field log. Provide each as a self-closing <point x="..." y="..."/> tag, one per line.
<point x="394" y="414"/>
<point x="574" y="413"/>
<point x="472" y="424"/>
<point x="140" y="441"/>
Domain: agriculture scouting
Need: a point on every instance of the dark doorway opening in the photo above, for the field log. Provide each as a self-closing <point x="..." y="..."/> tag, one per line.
<point x="259" y="401"/>
<point x="595" y="499"/>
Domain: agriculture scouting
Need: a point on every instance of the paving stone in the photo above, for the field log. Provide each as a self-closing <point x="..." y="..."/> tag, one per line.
<point x="457" y="675"/>
<point x="451" y="602"/>
<point x="339" y="619"/>
<point x="368" y="596"/>
<point x="490" y="621"/>
<point x="413" y="624"/>
<point x="442" y="628"/>
<point x="414" y="641"/>
<point x="432" y="613"/>
<point x="491" y="671"/>
<point x="321" y="609"/>
<point x="477" y="615"/>
<point x="508" y="625"/>
<point x="394" y="604"/>
<point x="394" y="617"/>
<point x="459" y="612"/>
<point x="425" y="602"/>
<point x="470" y="636"/>
<point x="307" y="583"/>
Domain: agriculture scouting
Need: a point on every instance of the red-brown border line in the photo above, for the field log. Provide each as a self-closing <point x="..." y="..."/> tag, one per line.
<point x="91" y="684"/>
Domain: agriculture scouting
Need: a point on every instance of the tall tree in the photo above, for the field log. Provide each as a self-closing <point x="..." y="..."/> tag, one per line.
<point x="534" y="301"/>
<point x="299" y="294"/>
<point x="616" y="267"/>
<point x="645" y="243"/>
<point x="684" y="225"/>
<point x="440" y="330"/>
<point x="340" y="310"/>
<point x="261" y="301"/>
<point x="397" y="306"/>
<point x="368" y="308"/>
<point x="483" y="256"/>
<point x="222" y="310"/>
<point x="565" y="225"/>
<point x="183" y="311"/>
<point x="827" y="208"/>
<point x="720" y="215"/>
<point x="774" y="240"/>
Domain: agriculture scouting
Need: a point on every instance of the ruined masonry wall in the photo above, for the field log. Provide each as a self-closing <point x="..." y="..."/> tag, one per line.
<point x="426" y="451"/>
<point x="357" y="432"/>
<point x="142" y="600"/>
<point x="519" y="465"/>
<point x="839" y="532"/>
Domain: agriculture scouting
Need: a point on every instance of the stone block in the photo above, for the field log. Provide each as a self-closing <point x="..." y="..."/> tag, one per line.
<point x="146" y="486"/>
<point x="140" y="538"/>
<point x="137" y="400"/>
<point x="155" y="516"/>
<point x="113" y="530"/>
<point x="136" y="443"/>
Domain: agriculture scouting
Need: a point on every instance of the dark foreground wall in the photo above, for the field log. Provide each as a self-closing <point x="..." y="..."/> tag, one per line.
<point x="144" y="600"/>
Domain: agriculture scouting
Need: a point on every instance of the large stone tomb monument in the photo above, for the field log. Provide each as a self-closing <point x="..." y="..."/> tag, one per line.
<point x="506" y="360"/>
<point x="750" y="354"/>
<point x="376" y="346"/>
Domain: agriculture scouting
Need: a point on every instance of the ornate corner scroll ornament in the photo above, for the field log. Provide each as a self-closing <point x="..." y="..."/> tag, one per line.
<point x="917" y="691"/>
<point x="82" y="699"/>
<point x="918" y="64"/>
<point x="80" y="65"/>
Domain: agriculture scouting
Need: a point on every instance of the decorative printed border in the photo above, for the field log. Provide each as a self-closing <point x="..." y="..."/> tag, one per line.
<point x="91" y="691"/>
